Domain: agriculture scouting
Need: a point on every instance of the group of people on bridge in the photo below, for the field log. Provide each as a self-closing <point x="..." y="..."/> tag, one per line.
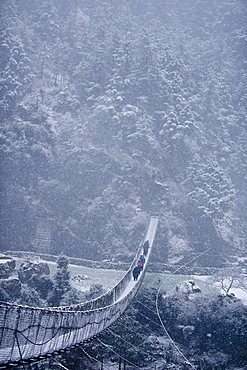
<point x="141" y="261"/>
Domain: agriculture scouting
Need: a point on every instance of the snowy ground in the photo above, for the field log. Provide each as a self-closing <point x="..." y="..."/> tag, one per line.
<point x="107" y="278"/>
<point x="170" y="281"/>
<point x="241" y="294"/>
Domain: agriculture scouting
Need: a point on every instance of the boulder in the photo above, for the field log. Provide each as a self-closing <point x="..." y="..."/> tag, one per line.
<point x="187" y="287"/>
<point x="80" y="277"/>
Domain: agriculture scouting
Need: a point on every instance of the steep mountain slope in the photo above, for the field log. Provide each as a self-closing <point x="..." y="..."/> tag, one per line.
<point x="111" y="110"/>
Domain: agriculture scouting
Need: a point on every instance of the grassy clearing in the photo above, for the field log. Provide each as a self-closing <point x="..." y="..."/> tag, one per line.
<point x="170" y="281"/>
<point x="109" y="278"/>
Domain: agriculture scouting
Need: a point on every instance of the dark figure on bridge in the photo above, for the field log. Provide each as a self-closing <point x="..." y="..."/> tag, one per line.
<point x="136" y="272"/>
<point x="139" y="264"/>
<point x="145" y="247"/>
<point x="142" y="259"/>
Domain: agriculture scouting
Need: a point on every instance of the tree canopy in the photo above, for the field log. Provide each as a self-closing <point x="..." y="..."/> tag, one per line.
<point x="111" y="110"/>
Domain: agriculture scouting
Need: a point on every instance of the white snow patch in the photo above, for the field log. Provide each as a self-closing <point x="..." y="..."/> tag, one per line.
<point x="241" y="294"/>
<point x="5" y="260"/>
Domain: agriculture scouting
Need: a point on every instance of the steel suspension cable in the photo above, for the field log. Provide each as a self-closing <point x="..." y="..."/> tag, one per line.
<point x="146" y="317"/>
<point x="93" y="358"/>
<point x="123" y="358"/>
<point x="152" y="321"/>
<point x="132" y="345"/>
<point x="59" y="364"/>
<point x="161" y="325"/>
<point x="158" y="312"/>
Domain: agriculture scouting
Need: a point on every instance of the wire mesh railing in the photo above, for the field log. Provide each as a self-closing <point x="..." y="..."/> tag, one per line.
<point x="30" y="332"/>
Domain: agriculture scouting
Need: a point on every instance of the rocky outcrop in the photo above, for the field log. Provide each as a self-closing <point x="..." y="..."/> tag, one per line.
<point x="29" y="269"/>
<point x="7" y="265"/>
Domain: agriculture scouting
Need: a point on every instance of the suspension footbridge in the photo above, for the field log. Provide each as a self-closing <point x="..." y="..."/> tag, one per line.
<point x="28" y="333"/>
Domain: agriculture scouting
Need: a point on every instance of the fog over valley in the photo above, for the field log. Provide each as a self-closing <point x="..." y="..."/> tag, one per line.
<point x="112" y="111"/>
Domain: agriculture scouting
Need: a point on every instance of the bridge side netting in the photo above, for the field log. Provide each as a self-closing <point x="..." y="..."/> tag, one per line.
<point x="111" y="296"/>
<point x="27" y="332"/>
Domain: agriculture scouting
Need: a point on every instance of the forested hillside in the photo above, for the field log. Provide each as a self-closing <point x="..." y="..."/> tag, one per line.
<point x="112" y="109"/>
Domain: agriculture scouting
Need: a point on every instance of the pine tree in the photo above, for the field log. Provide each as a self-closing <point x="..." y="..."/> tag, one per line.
<point x="61" y="278"/>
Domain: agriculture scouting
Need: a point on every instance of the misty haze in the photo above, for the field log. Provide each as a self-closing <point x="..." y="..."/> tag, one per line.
<point x="124" y="122"/>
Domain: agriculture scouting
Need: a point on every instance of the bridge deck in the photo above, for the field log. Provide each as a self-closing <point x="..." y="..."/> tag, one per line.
<point x="150" y="235"/>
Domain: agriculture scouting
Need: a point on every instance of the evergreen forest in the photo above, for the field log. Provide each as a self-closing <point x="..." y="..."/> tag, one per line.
<point x="111" y="110"/>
